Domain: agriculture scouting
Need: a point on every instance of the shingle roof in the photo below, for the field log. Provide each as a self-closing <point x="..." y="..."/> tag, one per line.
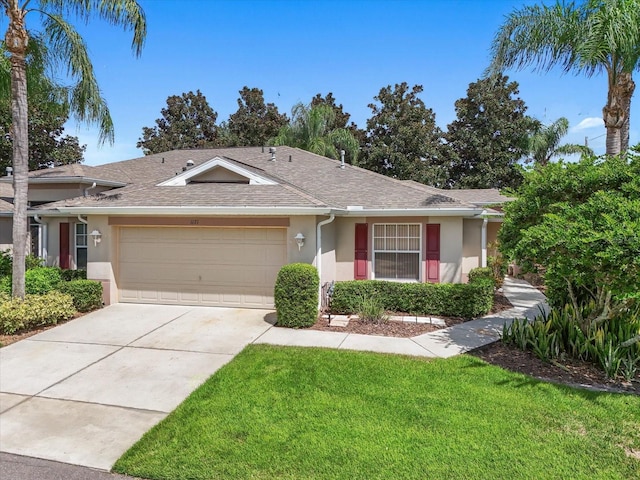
<point x="6" y="196"/>
<point x="303" y="180"/>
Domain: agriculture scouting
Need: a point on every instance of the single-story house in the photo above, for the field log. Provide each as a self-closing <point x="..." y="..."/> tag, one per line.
<point x="214" y="226"/>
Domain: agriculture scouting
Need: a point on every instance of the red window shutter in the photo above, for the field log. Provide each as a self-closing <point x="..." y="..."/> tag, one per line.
<point x="360" y="258"/>
<point x="64" y="246"/>
<point x="433" y="253"/>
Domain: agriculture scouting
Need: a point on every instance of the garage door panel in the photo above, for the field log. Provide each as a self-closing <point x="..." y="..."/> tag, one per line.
<point x="200" y="266"/>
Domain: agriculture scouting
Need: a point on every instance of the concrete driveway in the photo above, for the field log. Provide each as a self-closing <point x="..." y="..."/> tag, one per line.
<point x="84" y="392"/>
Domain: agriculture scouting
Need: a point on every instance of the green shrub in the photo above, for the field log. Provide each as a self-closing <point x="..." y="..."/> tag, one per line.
<point x="296" y="295"/>
<point x="86" y="294"/>
<point x="33" y="261"/>
<point x="447" y="299"/>
<point x="480" y="272"/>
<point x="34" y="311"/>
<point x="372" y="310"/>
<point x="70" y="275"/>
<point x="37" y="281"/>
<point x="6" y="263"/>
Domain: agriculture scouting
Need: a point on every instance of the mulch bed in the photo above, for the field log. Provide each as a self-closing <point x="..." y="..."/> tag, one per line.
<point x="404" y="329"/>
<point x="567" y="372"/>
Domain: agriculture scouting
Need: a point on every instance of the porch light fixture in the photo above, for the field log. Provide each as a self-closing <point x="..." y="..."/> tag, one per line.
<point x="97" y="237"/>
<point x="299" y="238"/>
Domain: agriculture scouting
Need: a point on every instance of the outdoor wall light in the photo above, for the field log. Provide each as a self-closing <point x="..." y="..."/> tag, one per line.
<point x="97" y="237"/>
<point x="299" y="238"/>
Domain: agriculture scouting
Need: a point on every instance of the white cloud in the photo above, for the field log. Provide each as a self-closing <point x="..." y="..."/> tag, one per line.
<point x="587" y="123"/>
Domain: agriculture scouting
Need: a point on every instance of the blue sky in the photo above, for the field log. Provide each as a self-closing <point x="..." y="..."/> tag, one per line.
<point x="295" y="49"/>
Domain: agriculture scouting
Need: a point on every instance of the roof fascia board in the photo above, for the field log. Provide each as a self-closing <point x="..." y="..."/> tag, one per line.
<point x="411" y="212"/>
<point x="184" y="177"/>
<point x="187" y="211"/>
<point x="66" y="179"/>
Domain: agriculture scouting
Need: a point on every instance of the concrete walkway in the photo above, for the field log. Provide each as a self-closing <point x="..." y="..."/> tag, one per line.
<point x="527" y="302"/>
<point x="84" y="392"/>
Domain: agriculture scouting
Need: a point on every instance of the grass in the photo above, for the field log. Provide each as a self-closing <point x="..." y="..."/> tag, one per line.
<point x="294" y="413"/>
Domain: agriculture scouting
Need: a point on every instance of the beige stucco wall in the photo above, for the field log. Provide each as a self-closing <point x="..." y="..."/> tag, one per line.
<point x="345" y="246"/>
<point x="471" y="245"/>
<point x="102" y="258"/>
<point x="451" y="235"/>
<point x="307" y="227"/>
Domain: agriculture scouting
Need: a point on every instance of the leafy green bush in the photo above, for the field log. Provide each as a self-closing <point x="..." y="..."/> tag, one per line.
<point x="33" y="261"/>
<point x="6" y="263"/>
<point x="37" y="281"/>
<point x="34" y="311"/>
<point x="371" y="310"/>
<point x="296" y="295"/>
<point x="86" y="294"/>
<point x="480" y="272"/>
<point x="614" y="344"/>
<point x="449" y="299"/>
<point x="70" y="275"/>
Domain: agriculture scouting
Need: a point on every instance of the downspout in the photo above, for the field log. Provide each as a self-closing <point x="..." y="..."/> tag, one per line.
<point x="43" y="237"/>
<point x="483" y="242"/>
<point x="82" y="219"/>
<point x="319" y="254"/>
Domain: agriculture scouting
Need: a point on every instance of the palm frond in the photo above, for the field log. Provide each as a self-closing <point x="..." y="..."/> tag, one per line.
<point x="125" y="13"/>
<point x="86" y="102"/>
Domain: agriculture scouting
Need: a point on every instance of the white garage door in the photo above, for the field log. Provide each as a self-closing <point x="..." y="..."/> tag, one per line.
<point x="231" y="267"/>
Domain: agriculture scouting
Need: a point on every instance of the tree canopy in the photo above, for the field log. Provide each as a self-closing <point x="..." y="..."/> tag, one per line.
<point x="402" y="138"/>
<point x="489" y="135"/>
<point x="255" y="121"/>
<point x="588" y="38"/>
<point x="188" y="121"/>
<point x="310" y="128"/>
<point x="581" y="223"/>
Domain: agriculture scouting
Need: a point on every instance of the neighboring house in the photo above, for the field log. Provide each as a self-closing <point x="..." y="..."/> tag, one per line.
<point x="213" y="227"/>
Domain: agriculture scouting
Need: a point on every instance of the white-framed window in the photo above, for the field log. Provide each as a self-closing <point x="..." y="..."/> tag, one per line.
<point x="397" y="251"/>
<point x="81" y="245"/>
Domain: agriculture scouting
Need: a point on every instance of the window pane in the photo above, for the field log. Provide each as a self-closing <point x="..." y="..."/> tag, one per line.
<point x="391" y="244"/>
<point x="403" y="231"/>
<point x="81" y="258"/>
<point x="402" y="244"/>
<point x="390" y="231"/>
<point x="81" y="240"/>
<point x="378" y="230"/>
<point x="407" y="266"/>
<point x="397" y="266"/>
<point x="81" y="229"/>
<point x="414" y="244"/>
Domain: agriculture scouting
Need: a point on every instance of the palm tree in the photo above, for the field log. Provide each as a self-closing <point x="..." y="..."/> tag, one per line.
<point x="593" y="37"/>
<point x="66" y="49"/>
<point x="310" y="129"/>
<point x="544" y="143"/>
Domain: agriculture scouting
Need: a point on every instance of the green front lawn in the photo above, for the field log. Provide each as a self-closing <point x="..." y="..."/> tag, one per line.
<point x="298" y="413"/>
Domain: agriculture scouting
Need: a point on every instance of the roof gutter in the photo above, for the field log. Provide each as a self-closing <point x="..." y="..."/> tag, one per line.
<point x="191" y="211"/>
<point x="411" y="212"/>
<point x="69" y="179"/>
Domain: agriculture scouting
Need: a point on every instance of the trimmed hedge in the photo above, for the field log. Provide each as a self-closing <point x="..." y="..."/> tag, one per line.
<point x="480" y="272"/>
<point x="447" y="299"/>
<point x="86" y="294"/>
<point x="70" y="275"/>
<point x="296" y="295"/>
<point x="37" y="281"/>
<point x="34" y="311"/>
